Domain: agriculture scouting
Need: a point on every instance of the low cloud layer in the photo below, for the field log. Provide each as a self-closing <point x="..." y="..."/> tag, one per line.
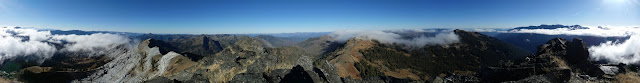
<point x="613" y="51"/>
<point x="91" y="42"/>
<point x="17" y="42"/>
<point x="599" y="31"/>
<point x="625" y="52"/>
<point x="607" y="31"/>
<point x="391" y="37"/>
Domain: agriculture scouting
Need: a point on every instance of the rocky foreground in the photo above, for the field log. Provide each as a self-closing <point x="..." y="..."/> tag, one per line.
<point x="244" y="59"/>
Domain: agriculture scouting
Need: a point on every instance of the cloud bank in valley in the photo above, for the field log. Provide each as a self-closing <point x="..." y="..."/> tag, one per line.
<point x="391" y="37"/>
<point x="613" y="51"/>
<point x="599" y="31"/>
<point x="93" y="42"/>
<point x="18" y="42"/>
<point x="608" y="31"/>
<point x="625" y="52"/>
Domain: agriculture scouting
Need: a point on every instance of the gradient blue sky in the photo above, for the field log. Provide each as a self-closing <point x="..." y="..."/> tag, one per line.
<point x="245" y="16"/>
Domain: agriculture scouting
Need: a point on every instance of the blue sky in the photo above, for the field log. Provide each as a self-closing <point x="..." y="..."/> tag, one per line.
<point x="246" y="16"/>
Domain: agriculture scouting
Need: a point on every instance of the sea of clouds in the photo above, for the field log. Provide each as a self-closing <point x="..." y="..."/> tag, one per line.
<point x="33" y="43"/>
<point x="607" y="31"/>
<point x="392" y="37"/>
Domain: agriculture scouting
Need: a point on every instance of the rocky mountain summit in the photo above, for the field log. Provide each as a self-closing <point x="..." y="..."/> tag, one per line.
<point x="560" y="60"/>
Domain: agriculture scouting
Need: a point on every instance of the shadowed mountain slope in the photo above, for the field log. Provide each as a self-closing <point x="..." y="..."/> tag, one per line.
<point x="365" y="59"/>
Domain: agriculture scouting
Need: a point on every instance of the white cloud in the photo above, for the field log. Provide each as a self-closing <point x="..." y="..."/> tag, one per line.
<point x="443" y="38"/>
<point x="625" y="52"/>
<point x="39" y="44"/>
<point x="91" y="42"/>
<point x="14" y="43"/>
<point x="607" y="31"/>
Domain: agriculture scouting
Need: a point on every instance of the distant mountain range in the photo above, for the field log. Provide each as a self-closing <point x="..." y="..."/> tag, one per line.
<point x="289" y="37"/>
<point x="553" y="27"/>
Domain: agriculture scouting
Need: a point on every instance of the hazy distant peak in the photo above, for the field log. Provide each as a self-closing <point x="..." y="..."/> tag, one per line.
<point x="572" y="27"/>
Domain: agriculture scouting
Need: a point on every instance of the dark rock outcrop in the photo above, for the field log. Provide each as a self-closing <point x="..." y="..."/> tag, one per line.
<point x="575" y="53"/>
<point x="557" y="61"/>
<point x="163" y="47"/>
<point x="195" y="46"/>
<point x="297" y="75"/>
<point x="37" y="74"/>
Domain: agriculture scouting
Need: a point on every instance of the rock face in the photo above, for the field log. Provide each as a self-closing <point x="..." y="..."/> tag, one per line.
<point x="195" y="47"/>
<point x="145" y="63"/>
<point x="243" y="58"/>
<point x="574" y="53"/>
<point x="558" y="60"/>
<point x="297" y="75"/>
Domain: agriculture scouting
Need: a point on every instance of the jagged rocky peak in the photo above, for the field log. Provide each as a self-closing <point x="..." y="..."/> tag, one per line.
<point x="579" y="50"/>
<point x="163" y="47"/>
<point x="141" y="65"/>
<point x="556" y="44"/>
<point x="574" y="52"/>
<point x="559" y="60"/>
<point x="565" y="59"/>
